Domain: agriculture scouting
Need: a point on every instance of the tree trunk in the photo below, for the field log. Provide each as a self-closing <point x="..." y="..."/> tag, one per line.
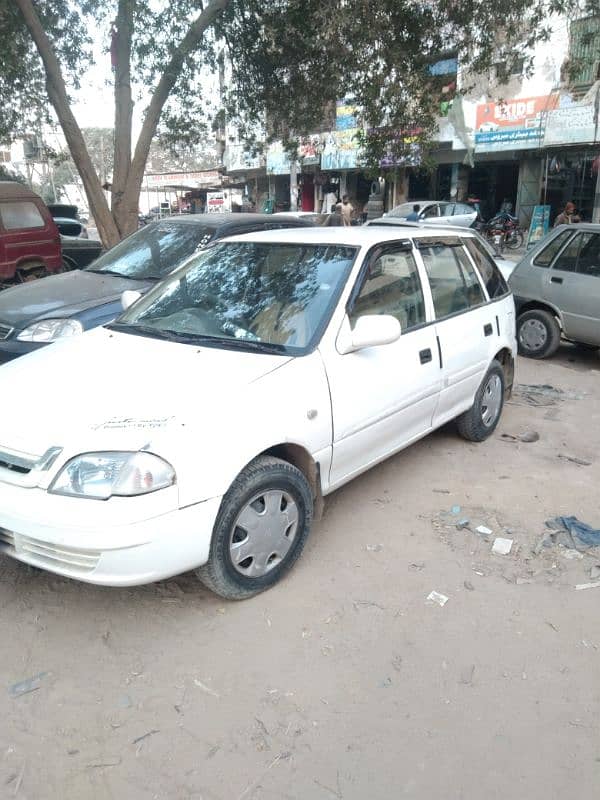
<point x="125" y="216"/>
<point x="57" y="95"/>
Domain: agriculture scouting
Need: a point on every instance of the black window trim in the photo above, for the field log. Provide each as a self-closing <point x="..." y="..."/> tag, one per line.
<point x="464" y="240"/>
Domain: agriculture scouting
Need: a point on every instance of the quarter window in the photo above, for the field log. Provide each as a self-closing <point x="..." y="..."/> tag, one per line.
<point x="544" y="257"/>
<point x="490" y="274"/>
<point x="392" y="286"/>
<point x="454" y="283"/>
<point x="21" y="214"/>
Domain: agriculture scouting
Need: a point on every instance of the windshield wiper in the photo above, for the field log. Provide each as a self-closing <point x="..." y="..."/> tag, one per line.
<point x="108" y="272"/>
<point x="249" y="345"/>
<point x="144" y="330"/>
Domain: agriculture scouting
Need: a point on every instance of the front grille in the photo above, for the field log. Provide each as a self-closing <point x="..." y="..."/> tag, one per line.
<point x="5" y="331"/>
<point x="45" y="554"/>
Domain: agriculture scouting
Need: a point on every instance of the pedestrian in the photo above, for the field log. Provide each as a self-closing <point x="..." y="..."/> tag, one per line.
<point x="568" y="216"/>
<point x="414" y="214"/>
<point x="346" y="210"/>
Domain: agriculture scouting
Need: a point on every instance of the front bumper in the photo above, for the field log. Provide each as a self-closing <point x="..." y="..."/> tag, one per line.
<point x="74" y="542"/>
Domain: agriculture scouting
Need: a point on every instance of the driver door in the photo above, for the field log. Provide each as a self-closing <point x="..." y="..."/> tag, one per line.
<point x="384" y="397"/>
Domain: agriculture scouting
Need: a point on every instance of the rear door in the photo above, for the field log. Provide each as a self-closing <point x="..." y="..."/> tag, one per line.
<point x="463" y="215"/>
<point x="28" y="235"/>
<point x="572" y="284"/>
<point x="466" y="328"/>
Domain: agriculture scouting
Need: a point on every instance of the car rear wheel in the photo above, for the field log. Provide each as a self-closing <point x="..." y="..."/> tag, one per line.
<point x="538" y="333"/>
<point x="260" y="531"/>
<point x="481" y="419"/>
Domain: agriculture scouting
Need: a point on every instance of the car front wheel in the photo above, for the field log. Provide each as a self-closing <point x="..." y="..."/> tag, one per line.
<point x="260" y="531"/>
<point x="481" y="419"/>
<point x="538" y="333"/>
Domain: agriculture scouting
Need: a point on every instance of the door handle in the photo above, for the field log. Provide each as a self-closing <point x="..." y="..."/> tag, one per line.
<point x="487" y="329"/>
<point x="556" y="280"/>
<point x="425" y="356"/>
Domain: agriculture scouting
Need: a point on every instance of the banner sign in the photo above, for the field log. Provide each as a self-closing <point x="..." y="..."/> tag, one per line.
<point x="570" y="125"/>
<point x="515" y="124"/>
<point x="540" y="225"/>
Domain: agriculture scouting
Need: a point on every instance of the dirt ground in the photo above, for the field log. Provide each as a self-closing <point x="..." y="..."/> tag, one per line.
<point x="344" y="681"/>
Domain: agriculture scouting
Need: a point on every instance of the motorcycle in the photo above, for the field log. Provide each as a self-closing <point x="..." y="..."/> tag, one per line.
<point x="502" y="229"/>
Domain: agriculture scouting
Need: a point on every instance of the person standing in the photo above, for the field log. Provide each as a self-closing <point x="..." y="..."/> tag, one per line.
<point x="347" y="210"/>
<point x="568" y="216"/>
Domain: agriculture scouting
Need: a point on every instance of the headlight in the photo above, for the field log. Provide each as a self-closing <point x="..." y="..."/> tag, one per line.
<point x="48" y="330"/>
<point x="103" y="475"/>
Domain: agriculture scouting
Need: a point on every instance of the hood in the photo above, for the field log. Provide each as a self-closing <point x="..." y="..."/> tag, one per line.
<point x="109" y="390"/>
<point x="62" y="296"/>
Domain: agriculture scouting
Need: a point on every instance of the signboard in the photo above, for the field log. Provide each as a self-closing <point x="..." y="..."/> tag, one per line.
<point x="278" y="161"/>
<point x="192" y="180"/>
<point x="340" y="150"/>
<point x="217" y="202"/>
<point x="236" y="158"/>
<point x="570" y="125"/>
<point x="309" y="149"/>
<point x="515" y="124"/>
<point x="345" y="115"/>
<point x="540" y="225"/>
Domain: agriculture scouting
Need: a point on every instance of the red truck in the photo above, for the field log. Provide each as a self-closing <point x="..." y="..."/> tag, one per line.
<point x="29" y="239"/>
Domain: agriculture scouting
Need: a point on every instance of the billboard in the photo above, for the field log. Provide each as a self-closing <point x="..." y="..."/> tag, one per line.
<point x="570" y="125"/>
<point x="516" y="124"/>
<point x="278" y="161"/>
<point x="340" y="150"/>
<point x="345" y="115"/>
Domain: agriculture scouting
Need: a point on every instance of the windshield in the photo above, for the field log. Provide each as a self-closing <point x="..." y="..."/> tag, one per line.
<point x="404" y="210"/>
<point x="274" y="297"/>
<point x="153" y="251"/>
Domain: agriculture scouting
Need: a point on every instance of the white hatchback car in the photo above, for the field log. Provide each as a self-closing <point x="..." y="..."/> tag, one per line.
<point x="202" y="428"/>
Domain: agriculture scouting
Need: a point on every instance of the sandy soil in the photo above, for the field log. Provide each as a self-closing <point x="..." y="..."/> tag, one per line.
<point x="343" y="681"/>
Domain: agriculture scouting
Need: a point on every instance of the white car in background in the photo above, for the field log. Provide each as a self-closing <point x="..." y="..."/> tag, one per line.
<point x="440" y="212"/>
<point x="216" y="412"/>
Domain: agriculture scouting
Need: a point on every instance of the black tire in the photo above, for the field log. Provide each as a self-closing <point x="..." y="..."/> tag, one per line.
<point x="28" y="274"/>
<point x="264" y="474"/>
<point x="67" y="265"/>
<point x="514" y="240"/>
<point x="473" y="425"/>
<point x="546" y="325"/>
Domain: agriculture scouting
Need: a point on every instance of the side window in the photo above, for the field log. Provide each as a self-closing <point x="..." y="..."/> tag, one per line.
<point x="21" y="214"/>
<point x="392" y="286"/>
<point x="430" y="212"/>
<point x="544" y="257"/>
<point x="489" y="272"/>
<point x="589" y="255"/>
<point x="447" y="209"/>
<point x="462" y="208"/>
<point x="567" y="260"/>
<point x="454" y="283"/>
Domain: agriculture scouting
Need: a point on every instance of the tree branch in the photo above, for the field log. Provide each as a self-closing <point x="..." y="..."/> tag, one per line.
<point x="121" y="49"/>
<point x="163" y="89"/>
<point x="57" y="94"/>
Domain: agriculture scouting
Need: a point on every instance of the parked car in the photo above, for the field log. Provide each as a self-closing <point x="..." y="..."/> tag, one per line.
<point x="201" y="429"/>
<point x="29" y="238"/>
<point x="67" y="220"/>
<point x="34" y="315"/>
<point x="78" y="252"/>
<point x="557" y="291"/>
<point x="504" y="265"/>
<point x="437" y="211"/>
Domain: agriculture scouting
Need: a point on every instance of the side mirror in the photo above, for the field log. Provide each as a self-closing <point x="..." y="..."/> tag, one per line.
<point x="371" y="330"/>
<point x="129" y="297"/>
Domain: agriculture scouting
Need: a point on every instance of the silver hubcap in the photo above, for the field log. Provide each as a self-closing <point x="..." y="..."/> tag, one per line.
<point x="263" y="533"/>
<point x="491" y="400"/>
<point x="533" y="334"/>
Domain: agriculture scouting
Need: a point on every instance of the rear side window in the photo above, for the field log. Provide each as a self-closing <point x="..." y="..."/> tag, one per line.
<point x="454" y="284"/>
<point x="490" y="274"/>
<point x="545" y="257"/>
<point x="462" y="208"/>
<point x="21" y="214"/>
<point x="567" y="260"/>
